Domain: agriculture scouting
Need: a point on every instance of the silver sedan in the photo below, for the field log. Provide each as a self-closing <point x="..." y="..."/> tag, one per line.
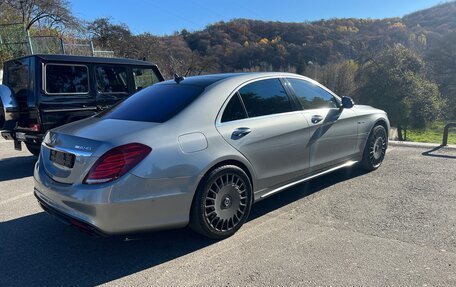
<point x="200" y="151"/>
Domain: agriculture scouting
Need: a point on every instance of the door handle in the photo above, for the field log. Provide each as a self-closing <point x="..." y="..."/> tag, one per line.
<point x="240" y="132"/>
<point x="316" y="119"/>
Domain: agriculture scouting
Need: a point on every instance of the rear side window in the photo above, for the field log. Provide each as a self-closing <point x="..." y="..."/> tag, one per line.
<point x="17" y="75"/>
<point x="234" y="110"/>
<point x="265" y="97"/>
<point x="111" y="79"/>
<point x="156" y="103"/>
<point x="312" y="96"/>
<point x="144" y="77"/>
<point x="66" y="79"/>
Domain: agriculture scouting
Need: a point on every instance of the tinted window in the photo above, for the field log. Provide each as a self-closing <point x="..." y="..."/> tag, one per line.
<point x="18" y="76"/>
<point x="312" y="96"/>
<point x="265" y="97"/>
<point x="144" y="77"/>
<point x="66" y="79"/>
<point x="234" y="110"/>
<point x="111" y="79"/>
<point x="156" y="103"/>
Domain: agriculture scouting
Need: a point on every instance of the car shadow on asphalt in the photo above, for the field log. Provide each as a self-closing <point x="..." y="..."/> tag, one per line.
<point x="302" y="190"/>
<point x="38" y="250"/>
<point x="16" y="167"/>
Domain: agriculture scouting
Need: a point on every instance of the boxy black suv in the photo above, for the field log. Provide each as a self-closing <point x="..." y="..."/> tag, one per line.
<point x="40" y="92"/>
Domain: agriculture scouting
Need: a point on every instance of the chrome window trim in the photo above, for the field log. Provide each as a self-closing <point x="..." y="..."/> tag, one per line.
<point x="315" y="83"/>
<point x="70" y="110"/>
<point x="218" y="120"/>
<point x="112" y="93"/>
<point x="63" y="94"/>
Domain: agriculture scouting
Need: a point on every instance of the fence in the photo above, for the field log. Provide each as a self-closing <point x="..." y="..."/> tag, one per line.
<point x="446" y="130"/>
<point x="18" y="42"/>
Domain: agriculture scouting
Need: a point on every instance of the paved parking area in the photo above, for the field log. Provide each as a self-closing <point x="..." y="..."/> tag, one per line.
<point x="392" y="227"/>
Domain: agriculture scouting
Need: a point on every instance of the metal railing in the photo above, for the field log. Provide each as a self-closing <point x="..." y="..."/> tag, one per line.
<point x="18" y="42"/>
<point x="446" y="130"/>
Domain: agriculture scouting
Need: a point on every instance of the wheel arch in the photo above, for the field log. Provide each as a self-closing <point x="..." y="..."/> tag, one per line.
<point x="228" y="161"/>
<point x="381" y="122"/>
<point x="235" y="163"/>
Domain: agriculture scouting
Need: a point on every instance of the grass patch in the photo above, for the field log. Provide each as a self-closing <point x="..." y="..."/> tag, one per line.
<point x="432" y="134"/>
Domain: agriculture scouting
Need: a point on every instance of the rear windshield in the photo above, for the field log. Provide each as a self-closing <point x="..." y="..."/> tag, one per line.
<point x="157" y="103"/>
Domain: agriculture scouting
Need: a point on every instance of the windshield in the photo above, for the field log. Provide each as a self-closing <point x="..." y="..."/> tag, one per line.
<point x="156" y="103"/>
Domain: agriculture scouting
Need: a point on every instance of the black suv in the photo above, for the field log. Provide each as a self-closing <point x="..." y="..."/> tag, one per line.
<point x="40" y="92"/>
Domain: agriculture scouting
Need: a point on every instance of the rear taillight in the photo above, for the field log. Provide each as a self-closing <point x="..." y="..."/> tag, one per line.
<point x="35" y="127"/>
<point x="116" y="162"/>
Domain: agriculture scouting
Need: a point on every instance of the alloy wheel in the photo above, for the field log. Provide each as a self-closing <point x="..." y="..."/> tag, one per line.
<point x="225" y="203"/>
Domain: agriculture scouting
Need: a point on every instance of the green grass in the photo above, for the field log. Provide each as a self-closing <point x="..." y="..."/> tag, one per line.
<point x="432" y="134"/>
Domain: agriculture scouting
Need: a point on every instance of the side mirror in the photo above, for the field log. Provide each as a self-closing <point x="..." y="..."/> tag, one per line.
<point x="347" y="103"/>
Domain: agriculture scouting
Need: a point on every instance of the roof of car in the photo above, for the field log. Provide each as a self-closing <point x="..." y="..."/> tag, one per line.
<point x="201" y="81"/>
<point x="207" y="80"/>
<point x="89" y="59"/>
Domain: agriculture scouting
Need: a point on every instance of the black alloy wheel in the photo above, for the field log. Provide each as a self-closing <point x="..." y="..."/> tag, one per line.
<point x="222" y="202"/>
<point x="375" y="149"/>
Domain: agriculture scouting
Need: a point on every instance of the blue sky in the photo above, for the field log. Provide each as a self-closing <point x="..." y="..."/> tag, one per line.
<point x="165" y="17"/>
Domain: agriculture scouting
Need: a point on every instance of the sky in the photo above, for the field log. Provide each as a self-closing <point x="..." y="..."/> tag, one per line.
<point x="166" y="17"/>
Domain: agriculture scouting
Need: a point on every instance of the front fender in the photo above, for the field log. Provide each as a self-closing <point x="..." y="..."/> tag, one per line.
<point x="9" y="108"/>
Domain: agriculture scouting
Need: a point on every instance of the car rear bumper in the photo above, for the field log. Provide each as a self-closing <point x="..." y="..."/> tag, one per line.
<point x="106" y="210"/>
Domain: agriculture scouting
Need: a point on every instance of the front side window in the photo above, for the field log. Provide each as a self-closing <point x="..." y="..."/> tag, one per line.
<point x="312" y="96"/>
<point x="157" y="103"/>
<point x="66" y="79"/>
<point x="265" y="97"/>
<point x="144" y="77"/>
<point x="111" y="79"/>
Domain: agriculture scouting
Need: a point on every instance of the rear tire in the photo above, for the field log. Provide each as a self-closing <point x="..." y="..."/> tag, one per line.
<point x="222" y="202"/>
<point x="375" y="149"/>
<point x="33" y="149"/>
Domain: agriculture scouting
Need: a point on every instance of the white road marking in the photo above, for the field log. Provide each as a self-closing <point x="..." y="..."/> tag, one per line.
<point x="15" y="198"/>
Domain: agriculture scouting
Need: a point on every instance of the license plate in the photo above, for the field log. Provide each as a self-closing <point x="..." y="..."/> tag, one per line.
<point x="62" y="158"/>
<point x="20" y="136"/>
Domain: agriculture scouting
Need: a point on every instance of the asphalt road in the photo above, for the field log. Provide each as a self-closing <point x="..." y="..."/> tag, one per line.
<point x="392" y="227"/>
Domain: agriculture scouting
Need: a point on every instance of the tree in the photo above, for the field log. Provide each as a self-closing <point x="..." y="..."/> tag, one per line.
<point x="394" y="80"/>
<point x="115" y="37"/>
<point x="46" y="13"/>
<point x="442" y="58"/>
<point x="338" y="77"/>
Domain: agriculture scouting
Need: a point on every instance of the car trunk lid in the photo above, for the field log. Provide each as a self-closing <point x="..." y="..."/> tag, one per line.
<point x="68" y="152"/>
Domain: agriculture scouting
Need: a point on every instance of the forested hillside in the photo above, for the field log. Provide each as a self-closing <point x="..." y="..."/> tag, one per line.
<point x="337" y="52"/>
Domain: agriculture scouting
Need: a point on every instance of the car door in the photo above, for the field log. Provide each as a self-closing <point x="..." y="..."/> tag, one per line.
<point x="66" y="95"/>
<point x="333" y="131"/>
<point x="265" y="125"/>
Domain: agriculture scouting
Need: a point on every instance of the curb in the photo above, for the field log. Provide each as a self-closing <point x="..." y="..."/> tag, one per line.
<point x="420" y="145"/>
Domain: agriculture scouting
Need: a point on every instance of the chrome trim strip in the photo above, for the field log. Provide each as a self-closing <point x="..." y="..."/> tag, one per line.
<point x="44" y="79"/>
<point x="67" y="150"/>
<point x="70" y="110"/>
<point x="347" y="164"/>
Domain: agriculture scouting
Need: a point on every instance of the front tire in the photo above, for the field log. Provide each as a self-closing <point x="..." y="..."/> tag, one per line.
<point x="33" y="149"/>
<point x="375" y="149"/>
<point x="222" y="202"/>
